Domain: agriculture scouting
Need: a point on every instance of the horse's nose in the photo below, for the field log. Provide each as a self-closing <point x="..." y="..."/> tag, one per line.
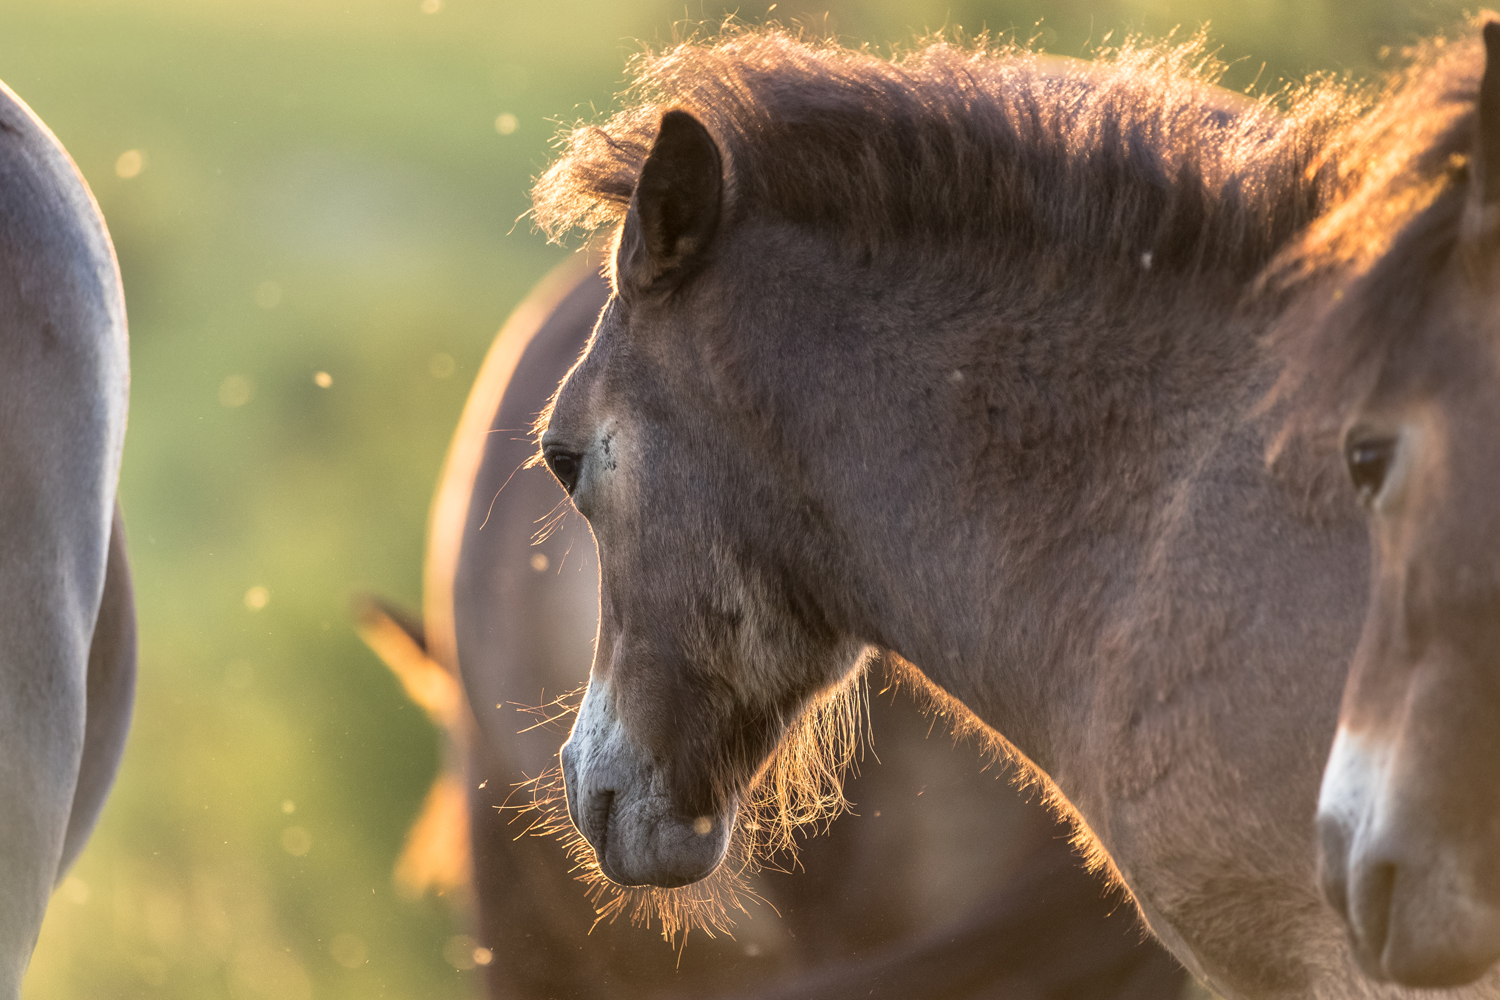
<point x="1411" y="924"/>
<point x="1368" y="895"/>
<point x="1366" y="914"/>
<point x="1333" y="863"/>
<point x="589" y="808"/>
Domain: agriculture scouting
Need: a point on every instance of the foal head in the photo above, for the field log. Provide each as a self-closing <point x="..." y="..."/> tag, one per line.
<point x="1409" y="812"/>
<point x="709" y="646"/>
<point x="799" y="373"/>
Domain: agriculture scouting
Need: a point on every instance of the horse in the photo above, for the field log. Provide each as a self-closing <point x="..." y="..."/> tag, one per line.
<point x="893" y="902"/>
<point x="1391" y="367"/>
<point x="961" y="357"/>
<point x="67" y="619"/>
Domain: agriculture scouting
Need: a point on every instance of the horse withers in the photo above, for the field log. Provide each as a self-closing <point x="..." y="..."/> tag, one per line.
<point x="1399" y="364"/>
<point x="67" y="621"/>
<point x="962" y="357"/>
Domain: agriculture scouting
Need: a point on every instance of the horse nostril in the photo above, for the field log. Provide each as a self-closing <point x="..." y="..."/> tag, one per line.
<point x="595" y="825"/>
<point x="1370" y="916"/>
<point x="1333" y="865"/>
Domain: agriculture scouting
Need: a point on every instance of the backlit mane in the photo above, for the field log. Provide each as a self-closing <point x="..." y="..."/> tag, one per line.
<point x="1392" y="222"/>
<point x="957" y="144"/>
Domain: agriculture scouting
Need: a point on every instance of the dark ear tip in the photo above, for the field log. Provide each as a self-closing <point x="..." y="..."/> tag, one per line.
<point x="679" y="122"/>
<point x="1492" y="37"/>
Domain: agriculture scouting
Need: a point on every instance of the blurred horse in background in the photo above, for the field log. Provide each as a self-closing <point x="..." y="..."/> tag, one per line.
<point x="1395" y="366"/>
<point x="67" y="618"/>
<point x="947" y="882"/>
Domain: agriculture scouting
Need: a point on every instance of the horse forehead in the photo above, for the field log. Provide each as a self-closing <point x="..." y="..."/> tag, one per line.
<point x="580" y="395"/>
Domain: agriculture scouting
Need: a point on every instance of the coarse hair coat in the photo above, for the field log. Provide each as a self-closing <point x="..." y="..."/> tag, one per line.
<point x="1135" y="158"/>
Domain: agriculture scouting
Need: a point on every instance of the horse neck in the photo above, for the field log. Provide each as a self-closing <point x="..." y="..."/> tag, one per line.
<point x="1061" y="444"/>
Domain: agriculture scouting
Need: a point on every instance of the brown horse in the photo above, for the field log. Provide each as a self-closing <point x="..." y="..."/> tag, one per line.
<point x="961" y="357"/>
<point x="900" y="901"/>
<point x="1397" y="368"/>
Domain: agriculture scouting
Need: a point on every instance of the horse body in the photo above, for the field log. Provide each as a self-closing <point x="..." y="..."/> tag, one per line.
<point x="1029" y="459"/>
<point x="67" y="650"/>
<point x="896" y="901"/>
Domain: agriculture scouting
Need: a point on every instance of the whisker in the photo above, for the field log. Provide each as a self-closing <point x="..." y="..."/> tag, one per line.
<point x="554" y="517"/>
<point x="498" y="492"/>
<point x="799" y="790"/>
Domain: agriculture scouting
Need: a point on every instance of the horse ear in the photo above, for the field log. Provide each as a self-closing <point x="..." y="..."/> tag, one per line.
<point x="1484" y="166"/>
<point x="675" y="208"/>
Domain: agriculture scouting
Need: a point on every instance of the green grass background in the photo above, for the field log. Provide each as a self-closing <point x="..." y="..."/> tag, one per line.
<point x="325" y="189"/>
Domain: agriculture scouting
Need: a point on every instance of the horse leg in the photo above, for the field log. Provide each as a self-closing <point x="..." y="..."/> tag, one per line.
<point x="110" y="695"/>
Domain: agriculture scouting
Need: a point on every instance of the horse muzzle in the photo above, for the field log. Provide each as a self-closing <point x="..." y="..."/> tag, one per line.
<point x="1408" y="895"/>
<point x="620" y="803"/>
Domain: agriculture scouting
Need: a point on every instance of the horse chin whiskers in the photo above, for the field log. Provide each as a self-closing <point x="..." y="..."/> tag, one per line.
<point x="799" y="789"/>
<point x="708" y="905"/>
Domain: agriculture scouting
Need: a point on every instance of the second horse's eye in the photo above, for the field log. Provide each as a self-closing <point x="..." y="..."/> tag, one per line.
<point x="1369" y="461"/>
<point x="564" y="465"/>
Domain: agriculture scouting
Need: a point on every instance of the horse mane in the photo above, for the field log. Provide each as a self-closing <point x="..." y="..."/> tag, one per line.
<point x="1398" y="194"/>
<point x="1135" y="158"/>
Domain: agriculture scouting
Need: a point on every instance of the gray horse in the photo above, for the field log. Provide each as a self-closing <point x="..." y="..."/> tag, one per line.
<point x="67" y="621"/>
<point x="961" y="357"/>
<point x="1394" y="365"/>
<point x="898" y="901"/>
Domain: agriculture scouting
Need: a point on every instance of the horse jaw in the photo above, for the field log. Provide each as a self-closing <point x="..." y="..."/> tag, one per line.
<point x="618" y="800"/>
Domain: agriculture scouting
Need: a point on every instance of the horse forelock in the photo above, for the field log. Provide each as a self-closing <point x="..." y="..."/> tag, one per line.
<point x="798" y="792"/>
<point x="1361" y="276"/>
<point x="1135" y="158"/>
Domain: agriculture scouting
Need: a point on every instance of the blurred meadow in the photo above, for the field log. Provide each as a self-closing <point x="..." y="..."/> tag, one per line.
<point x="315" y="205"/>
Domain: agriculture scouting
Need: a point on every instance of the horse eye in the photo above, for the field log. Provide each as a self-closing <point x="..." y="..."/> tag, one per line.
<point x="564" y="465"/>
<point x="1369" y="460"/>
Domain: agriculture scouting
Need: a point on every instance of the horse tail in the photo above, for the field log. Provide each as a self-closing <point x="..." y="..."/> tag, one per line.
<point x="437" y="856"/>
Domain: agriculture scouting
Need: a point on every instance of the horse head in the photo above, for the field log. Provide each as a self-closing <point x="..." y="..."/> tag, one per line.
<point x="1409" y="809"/>
<point x="708" y="647"/>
